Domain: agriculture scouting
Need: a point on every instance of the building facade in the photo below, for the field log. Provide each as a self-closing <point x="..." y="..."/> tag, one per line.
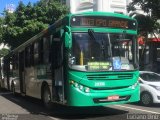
<point x="116" y="6"/>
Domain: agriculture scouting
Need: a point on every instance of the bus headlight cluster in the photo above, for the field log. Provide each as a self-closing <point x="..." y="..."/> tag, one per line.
<point x="134" y="85"/>
<point x="80" y="87"/>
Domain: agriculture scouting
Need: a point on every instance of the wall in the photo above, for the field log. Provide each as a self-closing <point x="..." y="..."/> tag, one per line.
<point x="77" y="6"/>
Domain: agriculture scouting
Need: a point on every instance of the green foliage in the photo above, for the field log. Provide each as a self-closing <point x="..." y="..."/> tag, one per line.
<point x="30" y="19"/>
<point x="152" y="7"/>
<point x="1" y="30"/>
<point x="147" y="23"/>
<point x="3" y="52"/>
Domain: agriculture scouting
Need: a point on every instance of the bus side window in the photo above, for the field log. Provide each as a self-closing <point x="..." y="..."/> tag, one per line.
<point x="15" y="61"/>
<point x="36" y="53"/>
<point x="32" y="55"/>
<point x="27" y="57"/>
<point x="57" y="54"/>
<point x="46" y="49"/>
<point x="50" y="48"/>
<point x="40" y="52"/>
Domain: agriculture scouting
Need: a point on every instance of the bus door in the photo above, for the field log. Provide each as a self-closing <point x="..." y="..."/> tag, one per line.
<point x="57" y="70"/>
<point x="21" y="72"/>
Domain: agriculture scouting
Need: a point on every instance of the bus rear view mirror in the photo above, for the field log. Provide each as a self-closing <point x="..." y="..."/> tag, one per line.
<point x="67" y="37"/>
<point x="68" y="40"/>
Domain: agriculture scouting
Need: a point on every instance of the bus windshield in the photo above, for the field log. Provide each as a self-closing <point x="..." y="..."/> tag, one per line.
<point x="93" y="51"/>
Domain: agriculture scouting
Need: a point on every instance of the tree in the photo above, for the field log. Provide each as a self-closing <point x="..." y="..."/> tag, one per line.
<point x="3" y="52"/>
<point x="152" y="7"/>
<point x="1" y="29"/>
<point x="146" y="23"/>
<point x="28" y="20"/>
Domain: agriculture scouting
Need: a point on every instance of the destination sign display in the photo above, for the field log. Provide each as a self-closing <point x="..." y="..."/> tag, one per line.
<point x="102" y="21"/>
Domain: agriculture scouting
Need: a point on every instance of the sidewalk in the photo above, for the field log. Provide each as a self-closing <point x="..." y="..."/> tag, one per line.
<point x="8" y="107"/>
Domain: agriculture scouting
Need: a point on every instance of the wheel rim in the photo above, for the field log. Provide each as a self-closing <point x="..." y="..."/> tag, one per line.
<point x="146" y="99"/>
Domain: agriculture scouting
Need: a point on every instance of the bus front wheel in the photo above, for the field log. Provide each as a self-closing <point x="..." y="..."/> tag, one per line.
<point x="47" y="97"/>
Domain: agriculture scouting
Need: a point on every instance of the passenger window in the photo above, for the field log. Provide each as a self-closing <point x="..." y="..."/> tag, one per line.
<point x="40" y="52"/>
<point x="46" y="46"/>
<point x="27" y="57"/>
<point x="36" y="53"/>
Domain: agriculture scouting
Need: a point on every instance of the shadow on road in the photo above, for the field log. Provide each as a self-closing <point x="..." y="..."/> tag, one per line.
<point x="35" y="107"/>
<point x="155" y="105"/>
<point x="84" y="112"/>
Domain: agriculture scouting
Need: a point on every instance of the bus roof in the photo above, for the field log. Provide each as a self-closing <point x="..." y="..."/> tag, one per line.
<point x="96" y="13"/>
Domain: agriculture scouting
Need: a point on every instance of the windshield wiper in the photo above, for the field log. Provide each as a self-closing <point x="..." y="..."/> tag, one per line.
<point x="110" y="46"/>
<point x="91" y="34"/>
<point x="102" y="46"/>
<point x="103" y="49"/>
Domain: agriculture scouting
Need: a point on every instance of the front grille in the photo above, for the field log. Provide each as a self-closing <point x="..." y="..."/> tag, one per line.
<point x="110" y="77"/>
<point x="104" y="100"/>
<point x="110" y="88"/>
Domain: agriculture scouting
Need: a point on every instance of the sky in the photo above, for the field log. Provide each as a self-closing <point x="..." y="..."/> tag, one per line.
<point x="14" y="3"/>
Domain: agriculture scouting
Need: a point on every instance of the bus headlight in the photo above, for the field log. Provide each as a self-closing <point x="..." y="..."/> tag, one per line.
<point x="76" y="85"/>
<point x="80" y="87"/>
<point x="87" y="90"/>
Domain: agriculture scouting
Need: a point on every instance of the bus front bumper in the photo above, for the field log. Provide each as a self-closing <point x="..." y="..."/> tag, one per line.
<point x="76" y="97"/>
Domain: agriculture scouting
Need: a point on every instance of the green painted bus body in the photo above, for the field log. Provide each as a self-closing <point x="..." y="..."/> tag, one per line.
<point x="101" y="88"/>
<point x="113" y="83"/>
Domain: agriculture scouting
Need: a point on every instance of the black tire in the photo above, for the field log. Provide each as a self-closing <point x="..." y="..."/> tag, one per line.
<point x="146" y="99"/>
<point x="46" y="97"/>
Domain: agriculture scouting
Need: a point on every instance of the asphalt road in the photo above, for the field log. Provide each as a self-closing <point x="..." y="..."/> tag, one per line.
<point x="26" y="108"/>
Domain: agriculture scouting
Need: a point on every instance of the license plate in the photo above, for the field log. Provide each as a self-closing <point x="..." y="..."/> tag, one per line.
<point x="113" y="98"/>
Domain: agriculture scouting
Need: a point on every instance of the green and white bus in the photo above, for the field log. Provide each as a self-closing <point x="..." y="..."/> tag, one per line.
<point x="84" y="59"/>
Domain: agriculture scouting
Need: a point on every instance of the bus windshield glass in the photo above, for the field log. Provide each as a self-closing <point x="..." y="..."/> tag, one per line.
<point x="93" y="51"/>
